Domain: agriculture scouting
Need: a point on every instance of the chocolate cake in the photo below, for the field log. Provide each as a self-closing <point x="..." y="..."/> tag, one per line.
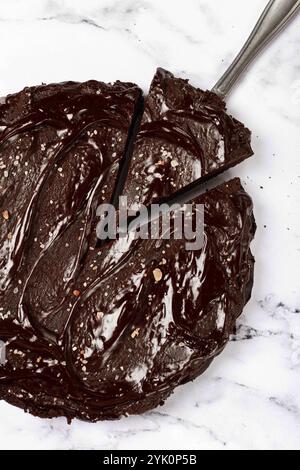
<point x="186" y="136"/>
<point x="98" y="332"/>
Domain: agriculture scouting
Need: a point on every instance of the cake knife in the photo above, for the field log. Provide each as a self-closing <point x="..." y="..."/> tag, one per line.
<point x="274" y="18"/>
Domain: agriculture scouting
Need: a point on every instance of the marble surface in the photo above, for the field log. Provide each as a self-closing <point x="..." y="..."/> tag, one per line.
<point x="249" y="398"/>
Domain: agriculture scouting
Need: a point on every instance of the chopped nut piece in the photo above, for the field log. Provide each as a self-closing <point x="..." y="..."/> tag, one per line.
<point x="5" y="215"/>
<point x="9" y="236"/>
<point x="135" y="333"/>
<point x="157" y="274"/>
<point x="76" y="293"/>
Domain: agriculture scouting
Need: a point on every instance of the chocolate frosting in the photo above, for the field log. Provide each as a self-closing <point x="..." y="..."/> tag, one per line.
<point x="98" y="332"/>
<point x="186" y="137"/>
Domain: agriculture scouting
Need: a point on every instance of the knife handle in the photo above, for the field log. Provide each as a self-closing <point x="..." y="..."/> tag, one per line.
<point x="274" y="18"/>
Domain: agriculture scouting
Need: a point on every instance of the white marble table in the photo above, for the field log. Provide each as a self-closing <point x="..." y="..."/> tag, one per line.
<point x="250" y="397"/>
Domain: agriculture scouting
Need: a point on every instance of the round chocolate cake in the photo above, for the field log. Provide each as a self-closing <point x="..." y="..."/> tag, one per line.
<point x="99" y="331"/>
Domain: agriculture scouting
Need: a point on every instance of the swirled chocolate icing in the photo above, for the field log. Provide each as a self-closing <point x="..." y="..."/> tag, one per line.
<point x="98" y="332"/>
<point x="191" y="138"/>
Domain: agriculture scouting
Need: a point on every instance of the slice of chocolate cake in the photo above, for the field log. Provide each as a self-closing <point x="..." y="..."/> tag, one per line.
<point x="186" y="136"/>
<point x="156" y="319"/>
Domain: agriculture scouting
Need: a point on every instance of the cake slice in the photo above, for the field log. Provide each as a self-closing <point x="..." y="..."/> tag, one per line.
<point x="186" y="136"/>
